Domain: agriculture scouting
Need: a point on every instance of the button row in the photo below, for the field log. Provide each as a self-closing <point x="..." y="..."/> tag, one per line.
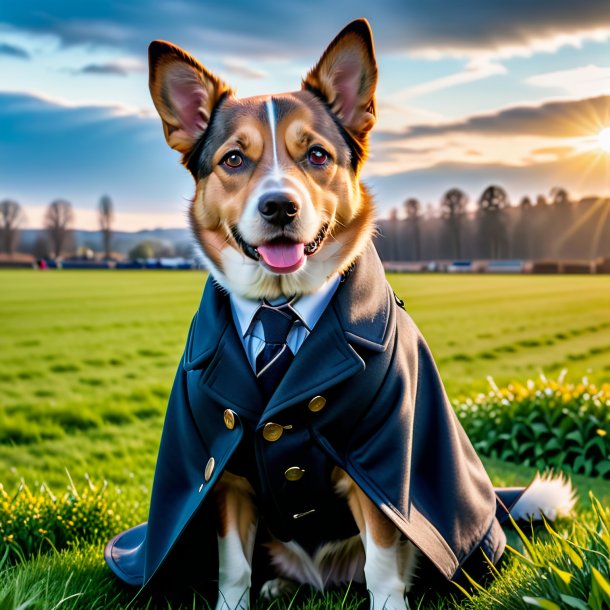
<point x="271" y="433"/>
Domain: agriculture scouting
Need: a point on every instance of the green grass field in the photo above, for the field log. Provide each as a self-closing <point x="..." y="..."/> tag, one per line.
<point x="87" y="360"/>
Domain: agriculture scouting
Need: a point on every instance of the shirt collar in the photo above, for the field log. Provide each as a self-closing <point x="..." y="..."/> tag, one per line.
<point x="309" y="307"/>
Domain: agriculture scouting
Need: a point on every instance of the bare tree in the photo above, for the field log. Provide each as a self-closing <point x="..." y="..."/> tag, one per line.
<point x="413" y="210"/>
<point x="58" y="221"/>
<point x="492" y="202"/>
<point x="106" y="210"/>
<point x="11" y="219"/>
<point x="453" y="209"/>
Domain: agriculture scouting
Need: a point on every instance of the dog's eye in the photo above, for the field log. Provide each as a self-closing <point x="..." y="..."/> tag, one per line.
<point x="233" y="160"/>
<point x="318" y="156"/>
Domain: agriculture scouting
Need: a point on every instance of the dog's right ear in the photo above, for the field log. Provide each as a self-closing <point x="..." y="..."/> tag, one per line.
<point x="183" y="92"/>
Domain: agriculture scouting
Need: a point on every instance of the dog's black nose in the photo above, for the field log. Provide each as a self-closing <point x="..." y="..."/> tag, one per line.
<point x="278" y="208"/>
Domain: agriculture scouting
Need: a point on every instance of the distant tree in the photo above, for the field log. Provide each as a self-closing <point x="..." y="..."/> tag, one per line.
<point x="541" y="201"/>
<point x="453" y="210"/>
<point x="522" y="239"/>
<point x="559" y="197"/>
<point x="492" y="226"/>
<point x="58" y="222"/>
<point x="393" y="230"/>
<point x="561" y="225"/>
<point x="185" y="249"/>
<point x="106" y="213"/>
<point x="143" y="249"/>
<point x="413" y="210"/>
<point x="152" y="248"/>
<point x="11" y="219"/>
<point x="493" y="199"/>
<point x="40" y="248"/>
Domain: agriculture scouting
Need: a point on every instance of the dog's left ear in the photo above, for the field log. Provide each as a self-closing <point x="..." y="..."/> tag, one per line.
<point x="184" y="93"/>
<point x="346" y="77"/>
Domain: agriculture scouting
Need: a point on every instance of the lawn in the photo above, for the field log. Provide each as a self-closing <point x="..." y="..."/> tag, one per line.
<point x="87" y="359"/>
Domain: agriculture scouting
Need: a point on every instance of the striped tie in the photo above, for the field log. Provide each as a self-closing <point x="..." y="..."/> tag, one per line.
<point x="275" y="358"/>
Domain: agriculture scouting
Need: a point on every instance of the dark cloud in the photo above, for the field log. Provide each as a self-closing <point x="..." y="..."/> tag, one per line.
<point x="104" y="69"/>
<point x="561" y="119"/>
<point x="107" y="69"/>
<point x="296" y="29"/>
<point x="10" y="50"/>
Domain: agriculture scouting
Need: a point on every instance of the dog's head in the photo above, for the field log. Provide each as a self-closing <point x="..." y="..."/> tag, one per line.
<point x="278" y="205"/>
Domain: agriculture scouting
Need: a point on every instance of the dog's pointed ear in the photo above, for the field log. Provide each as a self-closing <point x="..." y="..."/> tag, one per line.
<point x="346" y="77"/>
<point x="184" y="93"/>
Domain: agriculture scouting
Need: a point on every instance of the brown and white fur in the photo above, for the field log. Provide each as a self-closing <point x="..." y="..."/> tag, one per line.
<point x="278" y="209"/>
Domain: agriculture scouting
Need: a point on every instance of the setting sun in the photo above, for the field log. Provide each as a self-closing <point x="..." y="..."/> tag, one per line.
<point x="603" y="139"/>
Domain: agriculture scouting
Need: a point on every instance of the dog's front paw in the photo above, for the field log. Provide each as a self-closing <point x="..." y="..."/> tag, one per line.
<point x="277" y="587"/>
<point x="233" y="599"/>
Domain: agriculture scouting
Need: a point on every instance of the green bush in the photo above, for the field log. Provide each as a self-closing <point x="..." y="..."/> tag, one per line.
<point x="546" y="424"/>
<point x="33" y="522"/>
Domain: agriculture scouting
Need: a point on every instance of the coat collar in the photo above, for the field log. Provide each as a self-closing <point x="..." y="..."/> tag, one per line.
<point x="361" y="314"/>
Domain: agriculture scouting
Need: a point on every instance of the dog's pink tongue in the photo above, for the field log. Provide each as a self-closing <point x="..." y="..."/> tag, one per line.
<point x="282" y="256"/>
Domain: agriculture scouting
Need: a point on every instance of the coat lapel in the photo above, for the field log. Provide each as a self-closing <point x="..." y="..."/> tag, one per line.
<point x="215" y="346"/>
<point x="360" y="314"/>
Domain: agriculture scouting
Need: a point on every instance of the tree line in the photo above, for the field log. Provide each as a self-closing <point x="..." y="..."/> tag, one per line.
<point x="553" y="226"/>
<point x="58" y="240"/>
<point x="58" y="225"/>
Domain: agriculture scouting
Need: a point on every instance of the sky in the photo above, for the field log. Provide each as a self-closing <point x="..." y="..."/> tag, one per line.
<point x="470" y="93"/>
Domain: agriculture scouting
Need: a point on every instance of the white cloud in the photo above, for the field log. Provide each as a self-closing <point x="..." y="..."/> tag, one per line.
<point x="475" y="70"/>
<point x="585" y="81"/>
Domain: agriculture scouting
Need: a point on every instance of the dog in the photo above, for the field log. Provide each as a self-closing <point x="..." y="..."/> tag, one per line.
<point x="281" y="215"/>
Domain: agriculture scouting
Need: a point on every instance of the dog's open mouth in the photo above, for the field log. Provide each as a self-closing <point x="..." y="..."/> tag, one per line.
<point x="281" y="255"/>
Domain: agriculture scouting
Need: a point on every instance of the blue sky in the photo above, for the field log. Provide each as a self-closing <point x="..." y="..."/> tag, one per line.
<point x="470" y="94"/>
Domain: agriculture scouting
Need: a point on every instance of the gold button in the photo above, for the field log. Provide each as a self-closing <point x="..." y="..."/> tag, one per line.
<point x="317" y="403"/>
<point x="209" y="468"/>
<point x="272" y="432"/>
<point x="294" y="473"/>
<point x="229" y="419"/>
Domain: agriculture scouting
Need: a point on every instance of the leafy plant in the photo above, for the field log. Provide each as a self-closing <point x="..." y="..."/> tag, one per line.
<point x="553" y="571"/>
<point x="34" y="521"/>
<point x="544" y="423"/>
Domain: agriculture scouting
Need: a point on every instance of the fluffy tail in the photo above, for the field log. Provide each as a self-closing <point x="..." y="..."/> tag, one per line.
<point x="550" y="495"/>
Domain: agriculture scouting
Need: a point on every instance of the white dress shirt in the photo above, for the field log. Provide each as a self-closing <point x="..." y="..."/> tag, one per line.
<point x="308" y="307"/>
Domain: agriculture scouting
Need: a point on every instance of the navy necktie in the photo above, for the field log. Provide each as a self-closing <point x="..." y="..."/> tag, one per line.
<point x="275" y="358"/>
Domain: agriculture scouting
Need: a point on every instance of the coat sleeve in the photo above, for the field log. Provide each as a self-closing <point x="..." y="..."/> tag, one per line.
<point x="416" y="463"/>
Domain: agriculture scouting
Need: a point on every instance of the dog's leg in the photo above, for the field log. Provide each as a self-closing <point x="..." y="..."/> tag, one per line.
<point x="389" y="562"/>
<point x="236" y="535"/>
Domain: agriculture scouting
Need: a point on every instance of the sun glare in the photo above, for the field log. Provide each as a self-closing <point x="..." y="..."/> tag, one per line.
<point x="603" y="139"/>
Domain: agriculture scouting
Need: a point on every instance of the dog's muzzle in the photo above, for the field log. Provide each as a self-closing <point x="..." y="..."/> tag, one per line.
<point x="281" y="255"/>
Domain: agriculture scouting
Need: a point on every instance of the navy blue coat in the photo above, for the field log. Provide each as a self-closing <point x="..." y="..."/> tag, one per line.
<point x="386" y="421"/>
